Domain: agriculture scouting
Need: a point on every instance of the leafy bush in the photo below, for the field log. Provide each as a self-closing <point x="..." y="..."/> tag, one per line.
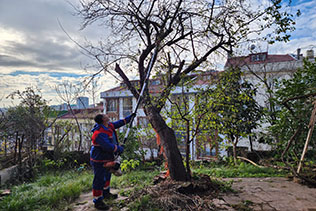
<point x="65" y="161"/>
<point x="128" y="165"/>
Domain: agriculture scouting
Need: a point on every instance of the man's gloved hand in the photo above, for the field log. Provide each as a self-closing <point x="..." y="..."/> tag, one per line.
<point x="133" y="115"/>
<point x="120" y="149"/>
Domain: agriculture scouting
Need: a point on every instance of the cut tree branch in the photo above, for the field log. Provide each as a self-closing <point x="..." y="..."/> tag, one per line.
<point x="126" y="81"/>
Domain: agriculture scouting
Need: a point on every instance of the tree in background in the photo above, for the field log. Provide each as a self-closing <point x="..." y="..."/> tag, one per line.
<point x="188" y="113"/>
<point x="147" y="137"/>
<point x="61" y="131"/>
<point x="69" y="92"/>
<point x="186" y="34"/>
<point x="236" y="111"/>
<point x="27" y="123"/>
<point x="294" y="97"/>
<point x="3" y="133"/>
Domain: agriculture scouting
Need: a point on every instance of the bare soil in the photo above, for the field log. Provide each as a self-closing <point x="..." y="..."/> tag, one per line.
<point x="250" y="194"/>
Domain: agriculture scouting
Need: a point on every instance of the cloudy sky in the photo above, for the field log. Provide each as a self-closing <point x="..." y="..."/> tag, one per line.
<point x="35" y="51"/>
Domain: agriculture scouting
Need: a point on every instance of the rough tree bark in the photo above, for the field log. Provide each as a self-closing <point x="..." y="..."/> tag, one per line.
<point x="169" y="142"/>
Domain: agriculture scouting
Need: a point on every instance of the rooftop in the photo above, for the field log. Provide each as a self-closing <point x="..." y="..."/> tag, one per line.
<point x="258" y="58"/>
<point x="87" y="113"/>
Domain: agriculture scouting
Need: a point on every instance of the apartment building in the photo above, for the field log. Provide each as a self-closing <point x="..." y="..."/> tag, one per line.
<point x="263" y="70"/>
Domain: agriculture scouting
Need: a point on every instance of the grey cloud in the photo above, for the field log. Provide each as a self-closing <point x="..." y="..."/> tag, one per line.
<point x="45" y="53"/>
<point x="35" y="16"/>
<point x="45" y="44"/>
<point x="9" y="61"/>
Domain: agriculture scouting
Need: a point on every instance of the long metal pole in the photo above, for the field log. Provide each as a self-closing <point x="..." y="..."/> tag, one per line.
<point x="141" y="93"/>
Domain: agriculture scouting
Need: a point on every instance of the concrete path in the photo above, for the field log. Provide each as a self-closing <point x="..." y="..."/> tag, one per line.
<point x="85" y="203"/>
<point x="272" y="194"/>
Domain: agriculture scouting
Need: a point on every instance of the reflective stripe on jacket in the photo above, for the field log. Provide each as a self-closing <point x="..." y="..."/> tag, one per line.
<point x="105" y="140"/>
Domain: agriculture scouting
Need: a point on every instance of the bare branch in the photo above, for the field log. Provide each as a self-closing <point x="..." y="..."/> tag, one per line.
<point x="126" y="81"/>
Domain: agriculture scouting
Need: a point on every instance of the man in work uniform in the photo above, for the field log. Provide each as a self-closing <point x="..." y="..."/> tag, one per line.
<point x="104" y="147"/>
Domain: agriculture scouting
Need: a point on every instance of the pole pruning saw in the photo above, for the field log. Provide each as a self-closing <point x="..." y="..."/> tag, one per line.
<point x="115" y="166"/>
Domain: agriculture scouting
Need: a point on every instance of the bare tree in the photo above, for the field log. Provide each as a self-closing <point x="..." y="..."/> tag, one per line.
<point x="185" y="33"/>
<point x="68" y="93"/>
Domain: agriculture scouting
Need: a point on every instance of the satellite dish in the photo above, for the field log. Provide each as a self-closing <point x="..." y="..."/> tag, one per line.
<point x="252" y="47"/>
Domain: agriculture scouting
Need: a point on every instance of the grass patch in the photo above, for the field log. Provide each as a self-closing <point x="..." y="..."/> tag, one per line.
<point x="55" y="190"/>
<point x="137" y="178"/>
<point x="49" y="192"/>
<point x="241" y="170"/>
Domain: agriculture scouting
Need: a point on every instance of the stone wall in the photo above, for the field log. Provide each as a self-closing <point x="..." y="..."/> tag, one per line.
<point x="8" y="174"/>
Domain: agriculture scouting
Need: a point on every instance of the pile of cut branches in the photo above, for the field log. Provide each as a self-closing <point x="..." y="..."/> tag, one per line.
<point x="172" y="195"/>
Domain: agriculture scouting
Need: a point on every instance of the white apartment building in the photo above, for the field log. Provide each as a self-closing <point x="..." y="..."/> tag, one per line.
<point x="262" y="69"/>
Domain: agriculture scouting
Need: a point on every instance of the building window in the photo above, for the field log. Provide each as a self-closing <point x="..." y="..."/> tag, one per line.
<point x="111" y="105"/>
<point x="127" y="106"/>
<point x="181" y="136"/>
<point x="207" y="145"/>
<point x="258" y="57"/>
<point x="155" y="82"/>
<point x="143" y="122"/>
<point x="207" y="77"/>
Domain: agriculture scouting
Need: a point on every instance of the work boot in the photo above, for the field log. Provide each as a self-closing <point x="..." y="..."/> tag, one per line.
<point x="100" y="205"/>
<point x="109" y="195"/>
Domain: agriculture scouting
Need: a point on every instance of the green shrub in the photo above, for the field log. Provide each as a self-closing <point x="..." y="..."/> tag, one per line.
<point x="128" y="165"/>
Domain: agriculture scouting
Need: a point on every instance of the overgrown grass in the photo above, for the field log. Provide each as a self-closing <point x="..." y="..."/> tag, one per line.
<point x="240" y="170"/>
<point x="53" y="191"/>
<point x="49" y="192"/>
<point x="133" y="181"/>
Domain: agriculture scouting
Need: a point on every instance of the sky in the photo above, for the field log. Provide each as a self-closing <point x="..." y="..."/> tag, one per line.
<point x="36" y="51"/>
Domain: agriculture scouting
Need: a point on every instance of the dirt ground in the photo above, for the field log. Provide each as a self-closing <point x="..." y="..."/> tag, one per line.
<point x="251" y="194"/>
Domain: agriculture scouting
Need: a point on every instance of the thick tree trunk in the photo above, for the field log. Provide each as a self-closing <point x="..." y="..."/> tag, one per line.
<point x="169" y="142"/>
